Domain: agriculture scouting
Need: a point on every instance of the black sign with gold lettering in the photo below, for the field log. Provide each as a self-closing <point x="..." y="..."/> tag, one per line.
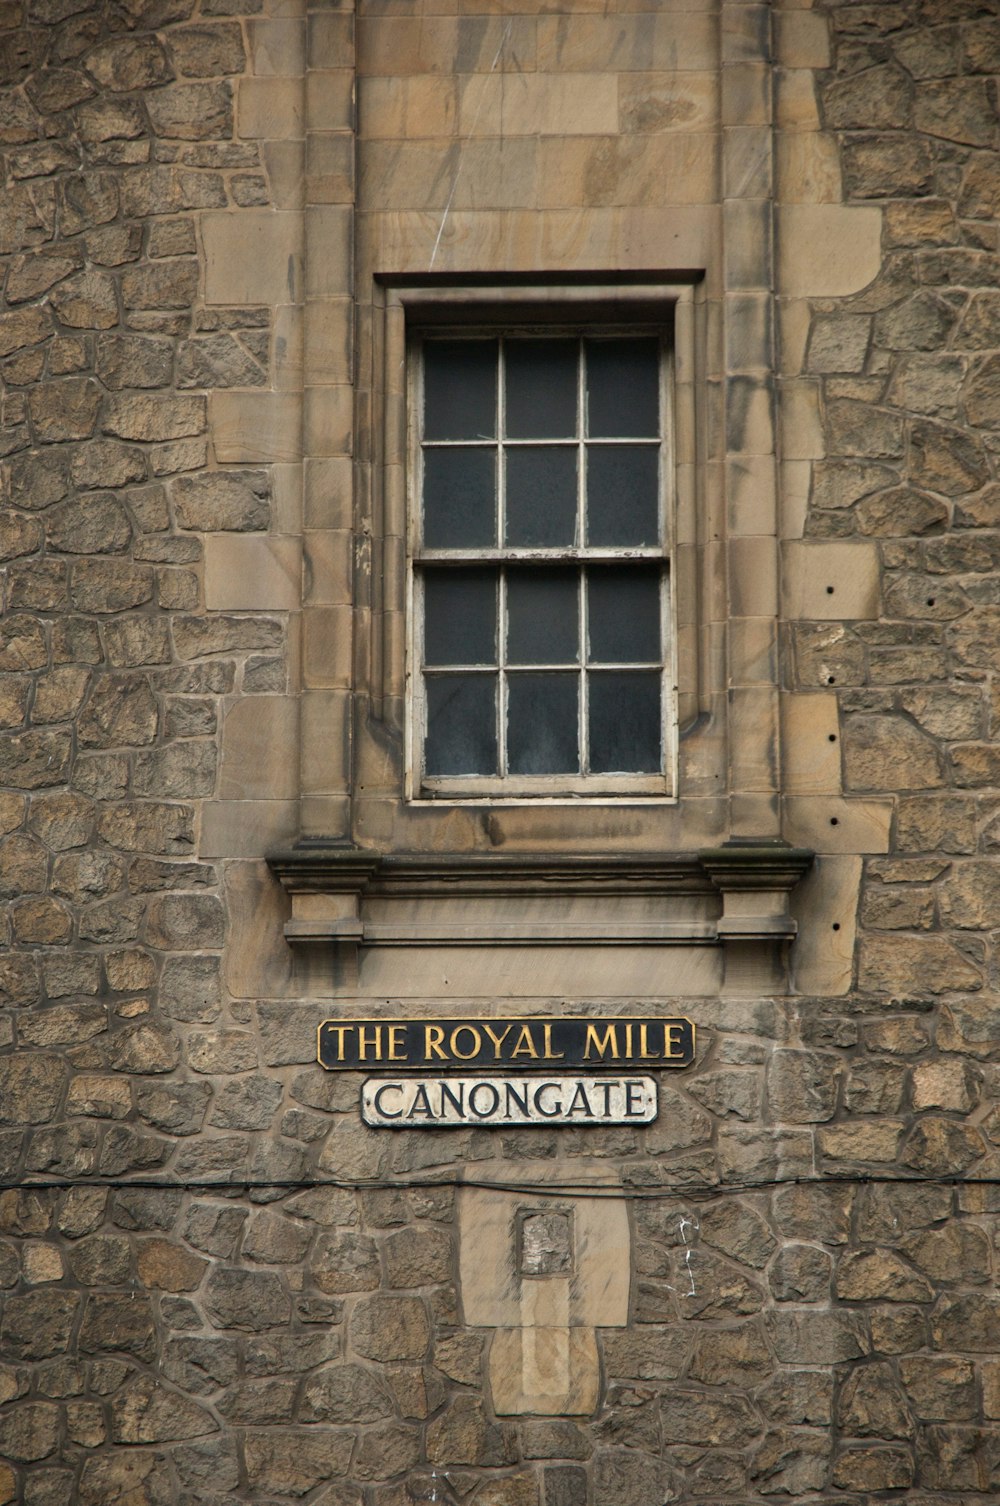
<point x="510" y="1043"/>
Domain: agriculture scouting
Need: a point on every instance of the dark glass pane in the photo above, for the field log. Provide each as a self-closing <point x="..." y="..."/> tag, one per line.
<point x="542" y="616"/>
<point x="542" y="724"/>
<point x="623" y="388"/>
<point x="460" y="389"/>
<point x="541" y="496"/>
<point x="460" y="616"/>
<point x="541" y="388"/>
<point x="460" y="498"/>
<point x="624" y="722"/>
<point x="622" y="494"/>
<point x="461" y="724"/>
<point x="623" y="613"/>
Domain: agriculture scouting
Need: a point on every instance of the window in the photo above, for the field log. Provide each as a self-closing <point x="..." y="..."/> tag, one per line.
<point x="540" y="620"/>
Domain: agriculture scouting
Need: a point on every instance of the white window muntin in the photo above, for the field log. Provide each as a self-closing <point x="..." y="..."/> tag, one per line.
<point x="463" y="787"/>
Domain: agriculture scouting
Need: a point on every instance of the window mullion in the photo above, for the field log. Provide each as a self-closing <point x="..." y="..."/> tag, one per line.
<point x="501" y="696"/>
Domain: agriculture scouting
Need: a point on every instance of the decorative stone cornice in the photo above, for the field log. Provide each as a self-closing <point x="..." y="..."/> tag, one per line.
<point x="342" y="893"/>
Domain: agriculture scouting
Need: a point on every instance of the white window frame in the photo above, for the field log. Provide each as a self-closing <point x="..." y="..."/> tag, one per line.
<point x="551" y="788"/>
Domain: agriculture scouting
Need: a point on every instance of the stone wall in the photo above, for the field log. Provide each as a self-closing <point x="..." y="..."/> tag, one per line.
<point x="215" y="1285"/>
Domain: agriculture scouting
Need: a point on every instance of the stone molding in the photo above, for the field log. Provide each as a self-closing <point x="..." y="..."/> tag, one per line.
<point x="346" y="894"/>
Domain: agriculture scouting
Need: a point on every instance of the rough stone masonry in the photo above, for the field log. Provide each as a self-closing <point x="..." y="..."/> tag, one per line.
<point x="216" y="1285"/>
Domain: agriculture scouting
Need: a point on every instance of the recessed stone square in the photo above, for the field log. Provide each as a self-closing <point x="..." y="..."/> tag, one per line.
<point x="545" y="1242"/>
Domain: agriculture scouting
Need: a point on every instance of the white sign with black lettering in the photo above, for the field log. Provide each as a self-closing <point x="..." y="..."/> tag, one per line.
<point x="505" y="1102"/>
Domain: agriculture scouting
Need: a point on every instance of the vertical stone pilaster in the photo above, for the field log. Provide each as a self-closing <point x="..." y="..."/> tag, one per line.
<point x="329" y="421"/>
<point x="750" y="430"/>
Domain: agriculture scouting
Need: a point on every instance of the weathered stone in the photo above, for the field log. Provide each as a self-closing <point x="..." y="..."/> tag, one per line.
<point x="222" y="1051"/>
<point x="144" y="1411"/>
<point x="121" y="711"/>
<point x="223" y="500"/>
<point x="23" y="867"/>
<point x="739" y="1232"/>
<point x="133" y="361"/>
<point x="882" y="752"/>
<point x="878" y="98"/>
<point x="191" y="988"/>
<point x="956" y="109"/>
<point x="169" y="1268"/>
<point x="127" y="63"/>
<point x="733" y="1357"/>
<point x="29" y="1431"/>
<point x="206" y="51"/>
<point x="800" y="1273"/>
<point x="942" y="1147"/>
<point x="802" y="1086"/>
<point x="110" y="585"/>
<point x="62" y="1024"/>
<point x="185" y="922"/>
<point x="31" y="1086"/>
<point x="798" y="1396"/>
<point x="946" y="460"/>
<point x="88" y="300"/>
<point x="626" y="1477"/>
<point x="152" y="417"/>
<point x="183" y="770"/>
<point x="939" y="1389"/>
<point x="790" y="1464"/>
<point x="101" y="1260"/>
<point x="118" y="1322"/>
<point x="346" y="1262"/>
<point x="387" y="1327"/>
<point x="143" y="1047"/>
<point x="345" y="1394"/>
<point x="464" y="1434"/>
<point x="249" y="1300"/>
<point x="915" y="966"/>
<point x="200" y="1366"/>
<point x="66" y="409"/>
<point x="218" y="361"/>
<point x="807" y="1336"/>
<point x="873" y="1469"/>
<point x="23" y="327"/>
<point x="107" y="462"/>
<point x="292" y="1461"/>
<point x="898" y="512"/>
<point x="872" y="1405"/>
<point x="38" y="1324"/>
<point x="866" y="1275"/>
<point x="920" y="322"/>
<point x="417" y="1257"/>
<point x="887" y="167"/>
<point x="192" y="112"/>
<point x="248" y="1104"/>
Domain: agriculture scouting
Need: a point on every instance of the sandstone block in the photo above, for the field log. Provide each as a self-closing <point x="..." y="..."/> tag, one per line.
<point x="387" y="1327"/>
<point x="345" y="1262"/>
<point x="345" y="1394"/>
<point x="144" y="1048"/>
<point x="65" y="409"/>
<point x="110" y="585"/>
<point x="185" y="922"/>
<point x="87" y="300"/>
<point x="192" y="112"/>
<point x="293" y="1461"/>
<point x="865" y="1469"/>
<point x="146" y="1412"/>
<point x="464" y="1435"/>
<point x="223" y="500"/>
<point x="888" y="752"/>
<point x="149" y="417"/>
<point x="252" y="1301"/>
